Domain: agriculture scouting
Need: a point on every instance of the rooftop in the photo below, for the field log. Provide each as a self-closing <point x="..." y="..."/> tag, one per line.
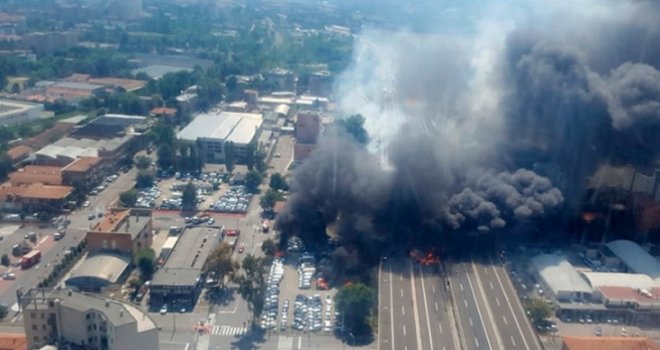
<point x="128" y="85"/>
<point x="82" y="164"/>
<point x="609" y="343"/>
<point x="117" y="313"/>
<point x="559" y="274"/>
<point x="50" y="175"/>
<point x="613" y="279"/>
<point x="630" y="294"/>
<point x="636" y="258"/>
<point x="103" y="266"/>
<point x="77" y="86"/>
<point x="18" y="152"/>
<point x="122" y="221"/>
<point x="13" y="341"/>
<point x="163" y="111"/>
<point x="232" y="126"/>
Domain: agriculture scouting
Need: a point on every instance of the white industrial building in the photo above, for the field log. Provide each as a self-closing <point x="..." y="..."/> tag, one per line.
<point x="560" y="277"/>
<point x="212" y="130"/>
<point x="16" y="112"/>
<point x="636" y="259"/>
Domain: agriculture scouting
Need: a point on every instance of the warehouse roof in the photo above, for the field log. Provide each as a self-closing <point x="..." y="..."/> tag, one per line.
<point x="233" y="126"/>
<point x="636" y="258"/>
<point x="103" y="266"/>
<point x="559" y="274"/>
<point x="613" y="279"/>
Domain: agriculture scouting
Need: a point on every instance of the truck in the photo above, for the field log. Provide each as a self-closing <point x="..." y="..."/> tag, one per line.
<point x="30" y="259"/>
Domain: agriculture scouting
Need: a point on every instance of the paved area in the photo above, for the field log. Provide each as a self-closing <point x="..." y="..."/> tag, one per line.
<point x="414" y="310"/>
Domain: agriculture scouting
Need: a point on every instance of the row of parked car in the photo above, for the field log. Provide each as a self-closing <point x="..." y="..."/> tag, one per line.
<point x="312" y="314"/>
<point x="147" y="197"/>
<point x="271" y="304"/>
<point x="98" y="189"/>
<point x="236" y="200"/>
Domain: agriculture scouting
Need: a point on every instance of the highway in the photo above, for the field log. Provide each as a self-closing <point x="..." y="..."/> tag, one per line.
<point x="413" y="308"/>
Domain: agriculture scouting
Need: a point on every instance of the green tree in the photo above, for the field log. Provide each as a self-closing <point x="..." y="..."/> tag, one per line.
<point x="142" y="162"/>
<point x="538" y="309"/>
<point x="5" y="165"/>
<point x="356" y="302"/>
<point x="128" y="198"/>
<point x="230" y="156"/>
<point x="252" y="283"/>
<point x="189" y="197"/>
<point x="5" y="260"/>
<point x="146" y="263"/>
<point x="354" y="126"/>
<point x="144" y="179"/>
<point x="252" y="181"/>
<point x="269" y="248"/>
<point x="269" y="199"/>
<point x="166" y="156"/>
<point x="278" y="182"/>
<point x="220" y="264"/>
<point x="162" y="133"/>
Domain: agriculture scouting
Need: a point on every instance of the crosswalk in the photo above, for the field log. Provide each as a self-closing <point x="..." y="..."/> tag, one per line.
<point x="228" y="330"/>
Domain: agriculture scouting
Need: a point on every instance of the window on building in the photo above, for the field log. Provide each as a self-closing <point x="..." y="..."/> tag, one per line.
<point x="33" y="315"/>
<point x="43" y="327"/>
<point x="34" y="327"/>
<point x="43" y="315"/>
<point x="114" y="244"/>
<point x="104" y="243"/>
<point x="36" y="338"/>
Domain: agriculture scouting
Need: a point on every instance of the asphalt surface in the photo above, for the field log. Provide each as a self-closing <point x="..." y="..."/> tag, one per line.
<point x="488" y="312"/>
<point x="414" y="312"/>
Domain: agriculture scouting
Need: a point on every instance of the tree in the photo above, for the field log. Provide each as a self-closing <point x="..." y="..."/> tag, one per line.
<point x="162" y="133"/>
<point x="269" y="248"/>
<point x="219" y="263"/>
<point x="268" y="200"/>
<point x="278" y="182"/>
<point x="355" y="302"/>
<point x="538" y="309"/>
<point x="166" y="156"/>
<point x="142" y="162"/>
<point x="189" y="197"/>
<point x="144" y="179"/>
<point x="252" y="284"/>
<point x="354" y="126"/>
<point x="146" y="263"/>
<point x="5" y="260"/>
<point x="230" y="156"/>
<point x="5" y="165"/>
<point x="128" y="198"/>
<point x="252" y="181"/>
<point x="4" y="311"/>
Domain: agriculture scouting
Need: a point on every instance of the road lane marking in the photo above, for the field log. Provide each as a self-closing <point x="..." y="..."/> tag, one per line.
<point x="481" y="318"/>
<point x="433" y="287"/>
<point x="505" y="321"/>
<point x="513" y="341"/>
<point x="436" y="306"/>
<point x="440" y="326"/>
<point x="512" y="312"/>
<point x="400" y="277"/>
<point x="391" y="309"/>
<point x="491" y="285"/>
<point x="461" y="285"/>
<point x="404" y="330"/>
<point x="476" y="341"/>
<point x="426" y="307"/>
<point x="470" y="319"/>
<point x="465" y="302"/>
<point x="415" y="311"/>
<point x="403" y="310"/>
<point x="402" y="292"/>
<point x="497" y="300"/>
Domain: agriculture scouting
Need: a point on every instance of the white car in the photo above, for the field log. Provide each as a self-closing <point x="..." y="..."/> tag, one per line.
<point x="163" y="310"/>
<point x="85" y="204"/>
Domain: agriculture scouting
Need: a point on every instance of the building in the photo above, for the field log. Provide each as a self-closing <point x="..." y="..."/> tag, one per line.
<point x="33" y="174"/>
<point x="85" y="172"/>
<point x="320" y="83"/>
<point x="19" y="153"/>
<point x="608" y="343"/>
<point x="557" y="275"/>
<point x="35" y="197"/>
<point x="47" y="43"/>
<point x="123" y="231"/>
<point x="75" y="320"/>
<point x="282" y="79"/>
<point x="211" y="130"/>
<point x="71" y="92"/>
<point x="99" y="272"/>
<point x="308" y="128"/>
<point x="179" y="282"/>
<point x="9" y="341"/>
<point x="17" y="112"/>
<point x="635" y="259"/>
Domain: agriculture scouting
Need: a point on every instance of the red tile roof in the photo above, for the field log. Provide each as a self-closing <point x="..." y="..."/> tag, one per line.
<point x="163" y="111"/>
<point x="608" y="343"/>
<point x="34" y="191"/>
<point x="627" y="293"/>
<point x="13" y="342"/>
<point x="30" y="174"/>
<point x="82" y="164"/>
<point x="18" y="152"/>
